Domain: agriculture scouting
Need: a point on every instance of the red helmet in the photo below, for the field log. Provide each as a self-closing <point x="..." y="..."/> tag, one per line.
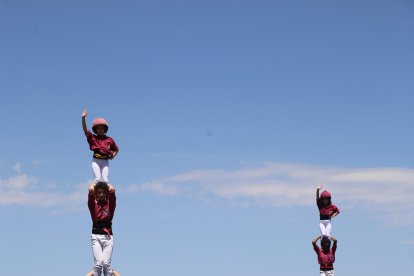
<point x="325" y="194"/>
<point x="100" y="122"/>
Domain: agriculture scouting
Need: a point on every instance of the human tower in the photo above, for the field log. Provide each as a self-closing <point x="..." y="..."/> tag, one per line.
<point x="102" y="203"/>
<point x="101" y="195"/>
<point x="326" y="253"/>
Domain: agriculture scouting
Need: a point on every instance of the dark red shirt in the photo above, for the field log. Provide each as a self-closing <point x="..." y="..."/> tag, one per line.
<point x="326" y="212"/>
<point x="102" y="212"/>
<point x="101" y="144"/>
<point x="325" y="260"/>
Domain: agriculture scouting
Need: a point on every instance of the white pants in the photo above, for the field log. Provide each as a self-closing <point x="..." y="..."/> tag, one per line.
<point x="327" y="273"/>
<point x="102" y="254"/>
<point x="325" y="226"/>
<point x="100" y="168"/>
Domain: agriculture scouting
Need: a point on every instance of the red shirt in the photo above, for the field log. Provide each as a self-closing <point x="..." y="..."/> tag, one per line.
<point x="325" y="260"/>
<point x="101" y="144"/>
<point x="102" y="214"/>
<point x="326" y="212"/>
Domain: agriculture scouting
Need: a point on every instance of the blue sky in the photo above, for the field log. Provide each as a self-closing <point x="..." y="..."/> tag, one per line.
<point x="228" y="114"/>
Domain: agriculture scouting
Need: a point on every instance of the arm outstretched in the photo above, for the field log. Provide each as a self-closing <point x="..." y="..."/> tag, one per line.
<point x="317" y="191"/>
<point x="84" y="114"/>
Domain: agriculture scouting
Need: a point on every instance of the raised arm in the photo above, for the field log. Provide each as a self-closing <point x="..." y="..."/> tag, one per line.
<point x="92" y="189"/>
<point x="316" y="239"/>
<point x="111" y="188"/>
<point x="317" y="191"/>
<point x="334" y="245"/>
<point x="85" y="128"/>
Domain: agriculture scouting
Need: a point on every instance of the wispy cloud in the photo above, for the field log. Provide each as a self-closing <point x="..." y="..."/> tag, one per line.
<point x="389" y="190"/>
<point x="409" y="242"/>
<point x="276" y="184"/>
<point x="155" y="186"/>
<point x="18" y="183"/>
<point x="23" y="189"/>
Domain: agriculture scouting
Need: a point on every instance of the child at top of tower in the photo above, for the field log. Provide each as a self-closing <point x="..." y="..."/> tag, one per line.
<point x="327" y="211"/>
<point x="326" y="254"/>
<point x="104" y="147"/>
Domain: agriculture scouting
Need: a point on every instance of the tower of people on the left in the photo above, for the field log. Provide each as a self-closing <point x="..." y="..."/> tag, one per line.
<point x="101" y="195"/>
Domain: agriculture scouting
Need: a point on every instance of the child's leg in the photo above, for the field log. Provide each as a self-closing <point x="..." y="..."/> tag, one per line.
<point x="322" y="228"/>
<point x="328" y="228"/>
<point x="105" y="170"/>
<point x="325" y="226"/>
<point x="96" y="169"/>
<point x="100" y="168"/>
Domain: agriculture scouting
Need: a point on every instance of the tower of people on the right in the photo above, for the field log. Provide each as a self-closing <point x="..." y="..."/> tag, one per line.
<point x="328" y="243"/>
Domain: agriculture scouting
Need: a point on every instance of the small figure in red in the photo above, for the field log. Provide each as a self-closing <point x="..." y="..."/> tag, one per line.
<point x="327" y="211"/>
<point x="104" y="147"/>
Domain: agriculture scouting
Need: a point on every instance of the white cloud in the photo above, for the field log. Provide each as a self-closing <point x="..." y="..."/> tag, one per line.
<point x="25" y="190"/>
<point x="18" y="182"/>
<point x="389" y="190"/>
<point x="276" y="184"/>
<point x="154" y="187"/>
